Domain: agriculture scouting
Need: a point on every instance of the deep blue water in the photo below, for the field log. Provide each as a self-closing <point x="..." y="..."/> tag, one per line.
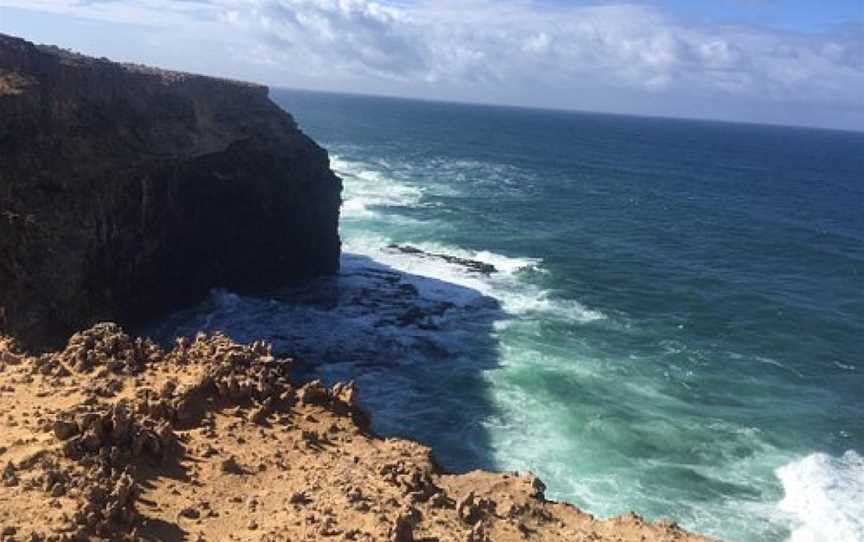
<point x="675" y="326"/>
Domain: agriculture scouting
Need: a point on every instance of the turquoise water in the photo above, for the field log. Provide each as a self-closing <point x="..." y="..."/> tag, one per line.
<point x="675" y="325"/>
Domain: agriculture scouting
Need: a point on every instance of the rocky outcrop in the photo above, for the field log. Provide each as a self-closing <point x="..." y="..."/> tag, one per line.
<point x="474" y="266"/>
<point x="114" y="438"/>
<point x="126" y="191"/>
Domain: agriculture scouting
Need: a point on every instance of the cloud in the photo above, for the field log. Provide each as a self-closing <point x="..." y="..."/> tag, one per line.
<point x="139" y="12"/>
<point x="489" y="43"/>
<point x="352" y="37"/>
<point x="488" y="46"/>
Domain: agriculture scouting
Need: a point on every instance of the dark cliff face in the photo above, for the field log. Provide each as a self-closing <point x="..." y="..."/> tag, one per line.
<point x="127" y="191"/>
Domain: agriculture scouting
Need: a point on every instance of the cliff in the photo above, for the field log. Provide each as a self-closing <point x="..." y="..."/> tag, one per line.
<point x="114" y="438"/>
<point x="127" y="191"/>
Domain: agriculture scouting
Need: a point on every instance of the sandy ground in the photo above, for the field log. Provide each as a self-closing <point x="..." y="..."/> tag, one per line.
<point x="115" y="439"/>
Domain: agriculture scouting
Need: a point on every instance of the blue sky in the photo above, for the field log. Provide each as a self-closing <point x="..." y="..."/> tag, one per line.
<point x="794" y="15"/>
<point x="791" y="62"/>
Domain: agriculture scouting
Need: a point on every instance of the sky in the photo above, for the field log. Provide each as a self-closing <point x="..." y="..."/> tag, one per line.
<point x="792" y="62"/>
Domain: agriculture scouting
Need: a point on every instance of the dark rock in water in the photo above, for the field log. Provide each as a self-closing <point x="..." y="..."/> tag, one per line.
<point x="127" y="191"/>
<point x="472" y="265"/>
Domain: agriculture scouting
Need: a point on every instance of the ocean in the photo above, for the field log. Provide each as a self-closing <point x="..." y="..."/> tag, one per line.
<point x="656" y="315"/>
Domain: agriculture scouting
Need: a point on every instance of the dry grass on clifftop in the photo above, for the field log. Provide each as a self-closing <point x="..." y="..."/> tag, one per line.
<point x="114" y="438"/>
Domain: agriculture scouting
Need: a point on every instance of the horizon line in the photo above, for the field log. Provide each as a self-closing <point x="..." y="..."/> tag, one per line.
<point x="443" y="101"/>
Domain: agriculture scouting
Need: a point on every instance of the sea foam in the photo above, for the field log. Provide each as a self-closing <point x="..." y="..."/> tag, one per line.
<point x="367" y="188"/>
<point x="518" y="296"/>
<point x="825" y="495"/>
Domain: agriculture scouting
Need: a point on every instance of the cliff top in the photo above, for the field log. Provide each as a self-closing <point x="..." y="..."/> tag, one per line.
<point x="75" y="59"/>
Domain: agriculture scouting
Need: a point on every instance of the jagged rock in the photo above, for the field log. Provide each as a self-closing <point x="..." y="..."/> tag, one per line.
<point x="346" y="393"/>
<point x="147" y="188"/>
<point x="9" y="476"/>
<point x="477" y="533"/>
<point x="9" y="358"/>
<point x="298" y="497"/>
<point x="230" y="466"/>
<point x="190" y="513"/>
<point x="314" y="393"/>
<point x="465" y="507"/>
<point x="64" y="430"/>
<point x="259" y="415"/>
<point x="355" y="486"/>
<point x="538" y="488"/>
<point x="55" y="482"/>
<point x="105" y="345"/>
<point x="121" y="500"/>
<point x="472" y="265"/>
<point x="403" y="528"/>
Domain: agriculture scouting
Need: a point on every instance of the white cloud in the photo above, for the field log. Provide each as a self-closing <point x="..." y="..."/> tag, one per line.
<point x="537" y="44"/>
<point x="482" y="46"/>
<point x="142" y="12"/>
<point x="486" y="42"/>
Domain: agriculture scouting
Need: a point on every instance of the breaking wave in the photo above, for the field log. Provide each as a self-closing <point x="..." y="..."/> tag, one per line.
<point x="825" y="496"/>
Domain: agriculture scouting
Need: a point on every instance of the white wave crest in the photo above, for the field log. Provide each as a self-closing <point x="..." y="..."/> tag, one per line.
<point x="367" y="188"/>
<point x="517" y="296"/>
<point x="825" y="495"/>
<point x="371" y="187"/>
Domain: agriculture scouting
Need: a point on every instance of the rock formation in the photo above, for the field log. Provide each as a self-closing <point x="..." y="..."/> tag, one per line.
<point x="474" y="266"/>
<point x="126" y="191"/>
<point x="114" y="438"/>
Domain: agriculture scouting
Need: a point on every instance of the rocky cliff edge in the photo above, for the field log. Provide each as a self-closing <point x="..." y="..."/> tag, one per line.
<point x="126" y="191"/>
